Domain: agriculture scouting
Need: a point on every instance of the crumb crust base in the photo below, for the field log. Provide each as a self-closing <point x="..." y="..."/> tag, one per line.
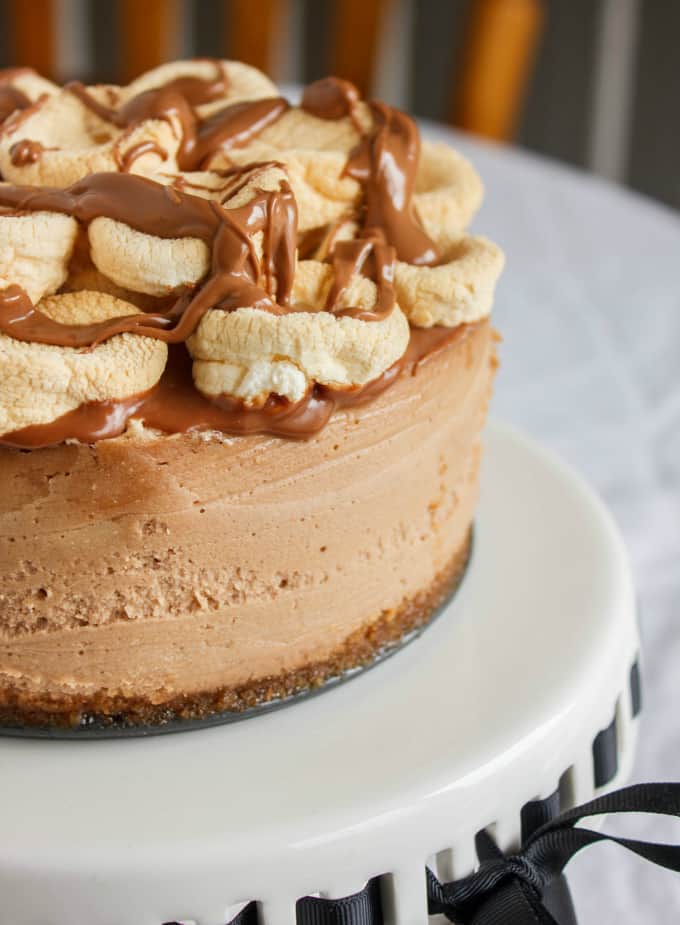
<point x="27" y="713"/>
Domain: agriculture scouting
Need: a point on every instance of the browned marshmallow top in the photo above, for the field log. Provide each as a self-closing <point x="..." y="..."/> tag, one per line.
<point x="178" y="210"/>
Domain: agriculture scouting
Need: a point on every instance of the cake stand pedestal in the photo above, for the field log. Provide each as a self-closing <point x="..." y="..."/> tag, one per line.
<point x="521" y="696"/>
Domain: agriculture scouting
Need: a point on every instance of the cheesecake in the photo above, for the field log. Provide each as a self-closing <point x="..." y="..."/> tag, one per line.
<point x="246" y="355"/>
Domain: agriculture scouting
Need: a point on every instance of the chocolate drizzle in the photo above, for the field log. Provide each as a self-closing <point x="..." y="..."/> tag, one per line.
<point x="26" y="152"/>
<point x="384" y="163"/>
<point x="90" y="422"/>
<point x="166" y="213"/>
<point x="330" y="98"/>
<point x="176" y="407"/>
<point x="126" y="160"/>
<point x="176" y="101"/>
<point x="374" y="259"/>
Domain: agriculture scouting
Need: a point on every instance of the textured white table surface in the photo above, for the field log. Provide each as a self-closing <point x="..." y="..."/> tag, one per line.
<point x="589" y="308"/>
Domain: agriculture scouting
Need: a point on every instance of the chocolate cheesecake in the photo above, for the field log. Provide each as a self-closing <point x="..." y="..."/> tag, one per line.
<point x="246" y="359"/>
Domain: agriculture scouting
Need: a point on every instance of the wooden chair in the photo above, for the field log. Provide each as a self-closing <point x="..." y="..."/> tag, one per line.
<point x="499" y="52"/>
<point x="501" y="39"/>
<point x="32" y="30"/>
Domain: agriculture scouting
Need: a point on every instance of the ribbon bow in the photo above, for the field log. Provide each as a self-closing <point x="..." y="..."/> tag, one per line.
<point x="509" y="889"/>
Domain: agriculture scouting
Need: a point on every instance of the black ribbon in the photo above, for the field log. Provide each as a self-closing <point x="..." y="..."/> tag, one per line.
<point x="508" y="889"/>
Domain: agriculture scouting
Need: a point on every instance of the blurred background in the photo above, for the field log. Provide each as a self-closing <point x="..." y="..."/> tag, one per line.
<point x="589" y="304"/>
<point x="594" y="83"/>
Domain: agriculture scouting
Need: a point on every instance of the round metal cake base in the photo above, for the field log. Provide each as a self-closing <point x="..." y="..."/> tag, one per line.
<point x="520" y="692"/>
<point x="97" y="727"/>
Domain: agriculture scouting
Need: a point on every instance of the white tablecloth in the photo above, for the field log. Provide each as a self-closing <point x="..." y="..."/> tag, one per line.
<point x="589" y="308"/>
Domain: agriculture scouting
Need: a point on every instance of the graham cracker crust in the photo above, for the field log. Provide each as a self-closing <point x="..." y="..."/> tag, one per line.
<point x="20" y="709"/>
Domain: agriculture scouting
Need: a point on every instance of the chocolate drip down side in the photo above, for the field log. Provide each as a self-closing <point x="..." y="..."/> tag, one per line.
<point x="90" y="422"/>
<point x="174" y="406"/>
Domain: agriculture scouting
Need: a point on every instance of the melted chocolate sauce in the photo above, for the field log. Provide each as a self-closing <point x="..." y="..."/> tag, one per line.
<point x="166" y="212"/>
<point x="176" y="406"/>
<point x="231" y="126"/>
<point x="26" y="152"/>
<point x="374" y="259"/>
<point x="330" y="98"/>
<point x="92" y="421"/>
<point x="384" y="163"/>
<point x="126" y="160"/>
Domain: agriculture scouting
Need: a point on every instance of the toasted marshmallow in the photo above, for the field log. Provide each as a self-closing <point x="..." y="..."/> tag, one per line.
<point x="143" y="262"/>
<point x="42" y="382"/>
<point x="249" y="353"/>
<point x="157" y="266"/>
<point x="457" y="291"/>
<point x="448" y="193"/>
<point x="74" y="142"/>
<point x="71" y="140"/>
<point x="322" y="194"/>
<point x="242" y="81"/>
<point x="30" y="83"/>
<point x="34" y="251"/>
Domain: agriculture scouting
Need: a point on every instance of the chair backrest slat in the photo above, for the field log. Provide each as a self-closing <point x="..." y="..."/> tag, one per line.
<point x="356" y="38"/>
<point x="499" y="46"/>
<point x="252" y="31"/>
<point x="498" y="55"/>
<point x="32" y="29"/>
<point x="149" y="31"/>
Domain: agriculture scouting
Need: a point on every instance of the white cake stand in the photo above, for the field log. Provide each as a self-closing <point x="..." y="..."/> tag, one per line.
<point x="521" y="688"/>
